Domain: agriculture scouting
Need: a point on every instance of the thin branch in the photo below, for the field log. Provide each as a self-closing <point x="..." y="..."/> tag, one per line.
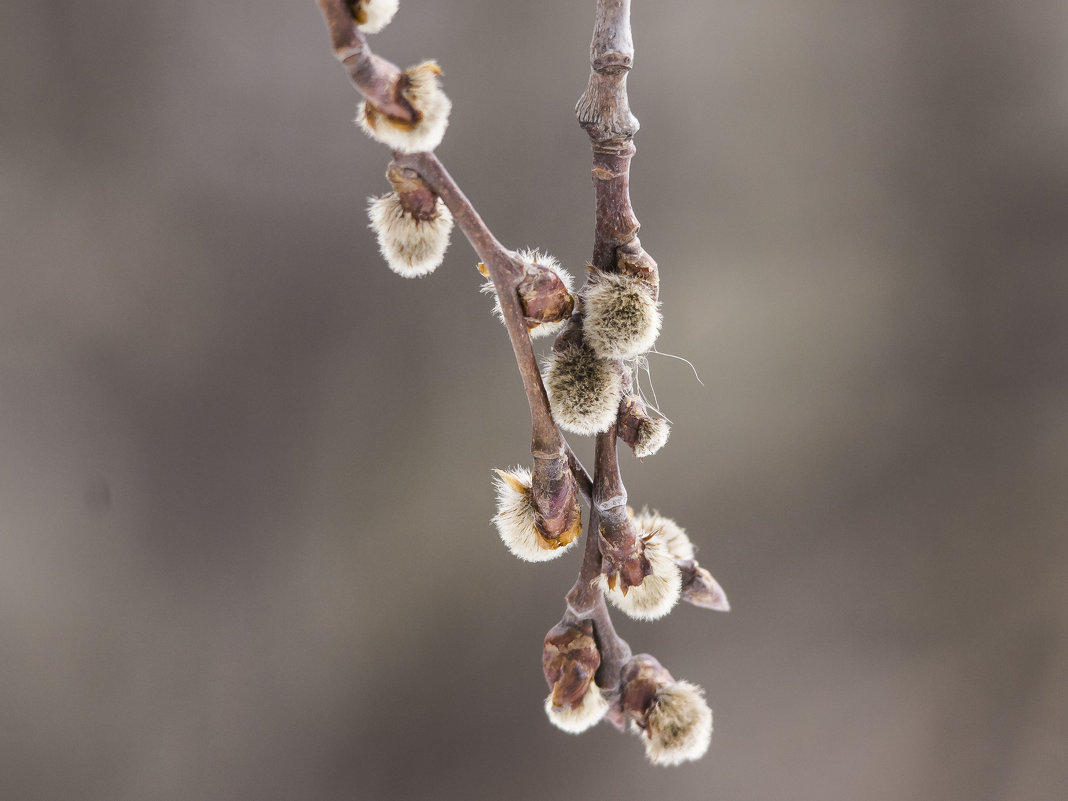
<point x="505" y="271"/>
<point x="374" y="77"/>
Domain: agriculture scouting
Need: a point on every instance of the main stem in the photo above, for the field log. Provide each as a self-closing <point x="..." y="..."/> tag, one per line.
<point x="604" y="112"/>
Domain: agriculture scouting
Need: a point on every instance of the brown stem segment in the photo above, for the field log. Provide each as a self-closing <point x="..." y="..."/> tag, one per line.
<point x="603" y="111"/>
<point x="506" y="271"/>
<point x="374" y="77"/>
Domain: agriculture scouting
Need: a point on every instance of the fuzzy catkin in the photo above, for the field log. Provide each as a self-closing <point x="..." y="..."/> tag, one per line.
<point x="516" y="518"/>
<point x="678" y="725"/>
<point x="377" y="14"/>
<point x="577" y="719"/>
<point x="622" y="319"/>
<point x="545" y="261"/>
<point x="659" y="591"/>
<point x="410" y="246"/>
<point x="667" y="532"/>
<point x="430" y="103"/>
<point x="652" y="436"/>
<point x="583" y="390"/>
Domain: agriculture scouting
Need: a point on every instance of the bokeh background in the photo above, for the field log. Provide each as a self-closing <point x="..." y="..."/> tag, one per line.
<point x="245" y="469"/>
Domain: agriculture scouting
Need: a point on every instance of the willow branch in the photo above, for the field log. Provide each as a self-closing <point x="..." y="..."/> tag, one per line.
<point x="376" y="79"/>
<point x="604" y="112"/>
<point x="505" y="271"/>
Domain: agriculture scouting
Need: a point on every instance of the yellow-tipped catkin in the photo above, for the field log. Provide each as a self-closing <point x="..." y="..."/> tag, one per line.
<point x="420" y="88"/>
<point x="516" y="519"/>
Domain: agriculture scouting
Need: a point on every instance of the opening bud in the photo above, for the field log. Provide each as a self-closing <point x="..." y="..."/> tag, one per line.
<point x="671" y="716"/>
<point x="570" y="660"/>
<point x="698" y="586"/>
<point x="622" y="318"/>
<point x="371" y="16"/>
<point x="644" y="433"/>
<point x="538" y="516"/>
<point x="638" y="574"/>
<point x="632" y="260"/>
<point x="418" y="87"/>
<point x="544" y="293"/>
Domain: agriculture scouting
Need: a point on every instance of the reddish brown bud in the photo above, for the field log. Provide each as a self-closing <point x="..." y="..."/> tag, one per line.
<point x="569" y="661"/>
<point x="639" y="680"/>
<point x="544" y="293"/>
<point x="700" y="589"/>
<point x="632" y="260"/>
<point x="416" y="197"/>
<point x="554" y="492"/>
<point x="623" y="561"/>
<point x="672" y="716"/>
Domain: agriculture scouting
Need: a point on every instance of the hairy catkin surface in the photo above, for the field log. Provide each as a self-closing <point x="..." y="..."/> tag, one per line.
<point x="425" y="96"/>
<point x="622" y="319"/>
<point x="583" y="390"/>
<point x="678" y="725"/>
<point x="410" y="246"/>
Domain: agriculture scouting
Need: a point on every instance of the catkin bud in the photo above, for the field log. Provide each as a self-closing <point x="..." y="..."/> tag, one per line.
<point x="544" y="294"/>
<point x="413" y="242"/>
<point x="570" y="659"/>
<point x="418" y="86"/>
<point x="698" y="586"/>
<point x="583" y="389"/>
<point x="700" y="589"/>
<point x="621" y="315"/>
<point x="371" y="16"/>
<point x="638" y="574"/>
<point x="538" y="517"/>
<point x="644" y="433"/>
<point x="672" y="716"/>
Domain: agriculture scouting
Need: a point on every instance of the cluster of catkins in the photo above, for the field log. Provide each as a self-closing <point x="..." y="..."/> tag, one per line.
<point x="647" y="561"/>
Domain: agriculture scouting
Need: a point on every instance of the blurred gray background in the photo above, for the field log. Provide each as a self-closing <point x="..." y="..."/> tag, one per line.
<point x="245" y="469"/>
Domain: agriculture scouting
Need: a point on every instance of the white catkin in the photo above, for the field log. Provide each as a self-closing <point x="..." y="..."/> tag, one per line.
<point x="410" y="246"/>
<point x="515" y="518"/>
<point x="622" y="320"/>
<point x="678" y="725"/>
<point x="652" y="436"/>
<point x="379" y="13"/>
<point x="583" y="390"/>
<point x="424" y="95"/>
<point x="585" y="715"/>
<point x="666" y="531"/>
<point x="659" y="591"/>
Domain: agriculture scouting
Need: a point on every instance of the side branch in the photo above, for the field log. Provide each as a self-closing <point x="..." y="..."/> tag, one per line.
<point x="505" y="271"/>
